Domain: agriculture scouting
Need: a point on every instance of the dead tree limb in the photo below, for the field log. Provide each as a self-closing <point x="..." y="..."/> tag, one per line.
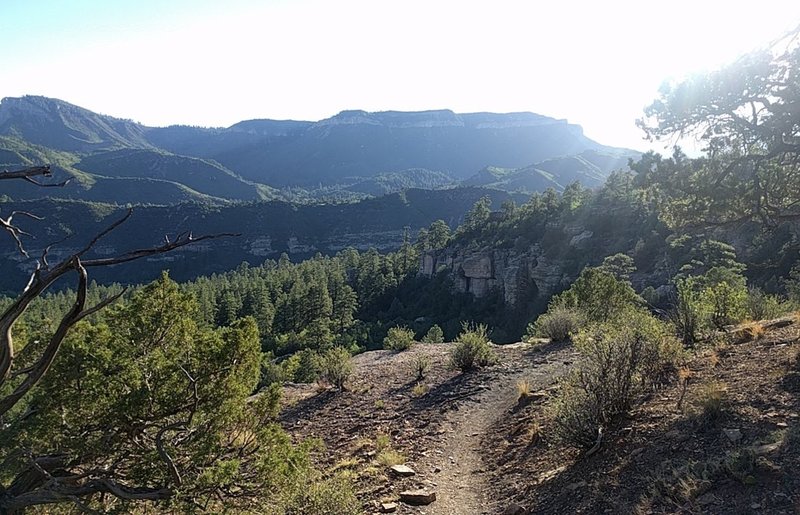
<point x="42" y="278"/>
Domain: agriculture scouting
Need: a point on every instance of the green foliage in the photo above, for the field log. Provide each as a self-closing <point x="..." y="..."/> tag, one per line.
<point x="399" y="338"/>
<point x="271" y="372"/>
<point x="304" y="366"/>
<point x="621" y="266"/>
<point x="619" y="359"/>
<point x="690" y="311"/>
<point x="419" y="366"/>
<point x="333" y="496"/>
<point x="726" y="294"/>
<point x="437" y="236"/>
<point x="477" y="217"/>
<point x="559" y="324"/>
<point x="743" y="115"/>
<point x="597" y="295"/>
<point x="146" y="379"/>
<point x="336" y="367"/>
<point x="434" y="335"/>
<point x="792" y="285"/>
<point x="472" y="348"/>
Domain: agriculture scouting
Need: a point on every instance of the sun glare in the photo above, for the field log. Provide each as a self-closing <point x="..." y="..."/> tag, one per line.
<point x="595" y="63"/>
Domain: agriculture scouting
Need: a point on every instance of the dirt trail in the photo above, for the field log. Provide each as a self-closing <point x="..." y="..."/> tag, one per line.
<point x="462" y="484"/>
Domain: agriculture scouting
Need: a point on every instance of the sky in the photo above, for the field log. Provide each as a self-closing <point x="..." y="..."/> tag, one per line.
<point x="214" y="63"/>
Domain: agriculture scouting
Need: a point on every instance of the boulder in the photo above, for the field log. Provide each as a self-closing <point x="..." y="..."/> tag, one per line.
<point x="419" y="497"/>
<point x="734" y="435"/>
<point x="402" y="470"/>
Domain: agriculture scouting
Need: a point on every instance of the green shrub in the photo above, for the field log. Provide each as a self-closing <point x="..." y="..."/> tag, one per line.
<point x="689" y="312"/>
<point x="271" y="372"/>
<point x="619" y="360"/>
<point x="305" y="366"/>
<point x="727" y="295"/>
<point x="472" y="349"/>
<point x="419" y="366"/>
<point x="558" y="324"/>
<point x="598" y="295"/>
<point x="336" y="367"/>
<point x="762" y="306"/>
<point x="434" y="335"/>
<point x="399" y="338"/>
<point x="792" y="285"/>
<point x="334" y="496"/>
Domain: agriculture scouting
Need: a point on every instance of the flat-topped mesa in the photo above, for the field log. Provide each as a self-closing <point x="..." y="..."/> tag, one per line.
<point x="438" y="118"/>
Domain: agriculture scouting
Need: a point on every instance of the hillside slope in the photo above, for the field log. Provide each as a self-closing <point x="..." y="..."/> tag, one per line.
<point x="481" y="450"/>
<point x="200" y="175"/>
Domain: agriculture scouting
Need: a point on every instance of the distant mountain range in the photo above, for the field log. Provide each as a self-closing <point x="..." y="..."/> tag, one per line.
<point x="352" y="155"/>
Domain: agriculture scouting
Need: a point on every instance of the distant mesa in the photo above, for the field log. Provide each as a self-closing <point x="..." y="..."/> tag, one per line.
<point x="351" y="155"/>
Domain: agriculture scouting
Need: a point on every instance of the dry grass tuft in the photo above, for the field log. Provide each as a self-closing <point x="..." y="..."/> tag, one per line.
<point x="708" y="401"/>
<point x="419" y="390"/>
<point x="523" y="389"/>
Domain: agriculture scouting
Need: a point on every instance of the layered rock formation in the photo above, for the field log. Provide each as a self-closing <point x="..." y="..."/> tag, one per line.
<point x="520" y="276"/>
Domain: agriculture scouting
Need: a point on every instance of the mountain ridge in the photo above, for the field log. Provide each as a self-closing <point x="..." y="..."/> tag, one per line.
<point x="349" y="156"/>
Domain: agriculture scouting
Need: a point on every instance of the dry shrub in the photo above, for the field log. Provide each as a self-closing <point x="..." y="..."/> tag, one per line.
<point x="558" y="324"/>
<point x="419" y="367"/>
<point x="619" y="361"/>
<point x="419" y="390"/>
<point x="708" y="402"/>
<point x="472" y="349"/>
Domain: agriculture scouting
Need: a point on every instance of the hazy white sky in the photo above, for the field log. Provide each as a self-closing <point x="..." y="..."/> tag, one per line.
<point x="213" y="63"/>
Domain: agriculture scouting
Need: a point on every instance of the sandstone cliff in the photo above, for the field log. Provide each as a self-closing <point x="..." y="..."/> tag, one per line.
<point x="525" y="275"/>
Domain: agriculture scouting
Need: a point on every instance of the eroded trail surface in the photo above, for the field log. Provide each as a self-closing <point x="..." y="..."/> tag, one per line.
<point x="465" y="455"/>
<point x="442" y="432"/>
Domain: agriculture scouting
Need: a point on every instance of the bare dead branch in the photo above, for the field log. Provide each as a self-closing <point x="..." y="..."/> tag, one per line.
<point x="27" y="173"/>
<point x="141" y="253"/>
<point x="165" y="457"/>
<point x="49" y="354"/>
<point x="42" y="278"/>
<point x="49" y="185"/>
<point x="54" y="491"/>
<point x="102" y="304"/>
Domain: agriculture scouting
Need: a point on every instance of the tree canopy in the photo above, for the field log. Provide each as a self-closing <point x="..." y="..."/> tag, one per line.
<point x="747" y="117"/>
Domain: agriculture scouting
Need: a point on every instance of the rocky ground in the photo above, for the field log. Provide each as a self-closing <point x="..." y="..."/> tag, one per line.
<point x="470" y="440"/>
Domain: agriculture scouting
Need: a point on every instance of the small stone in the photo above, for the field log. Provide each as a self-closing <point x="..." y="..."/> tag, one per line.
<point x="782" y="424"/>
<point x="388" y="507"/>
<point x="574" y="486"/>
<point x="706" y="499"/>
<point x="755" y="506"/>
<point x="436" y="470"/>
<point x="402" y="470"/>
<point x="734" y="435"/>
<point x="514" y="509"/>
<point x="769" y="448"/>
<point x="417" y="497"/>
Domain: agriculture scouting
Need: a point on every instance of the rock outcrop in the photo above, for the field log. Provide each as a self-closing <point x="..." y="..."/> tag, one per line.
<point x="518" y="275"/>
